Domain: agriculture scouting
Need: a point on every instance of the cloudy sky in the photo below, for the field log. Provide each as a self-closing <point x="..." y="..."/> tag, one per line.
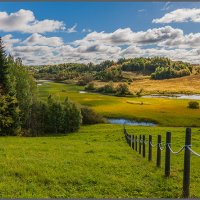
<point x="58" y="32"/>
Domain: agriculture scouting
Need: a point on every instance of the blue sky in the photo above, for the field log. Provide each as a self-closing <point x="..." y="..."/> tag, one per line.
<point x="98" y="31"/>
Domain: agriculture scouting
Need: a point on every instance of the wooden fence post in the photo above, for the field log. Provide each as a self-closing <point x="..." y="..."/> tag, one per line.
<point x="133" y="142"/>
<point x="158" y="162"/>
<point x="129" y="140"/>
<point x="143" y="146"/>
<point x="150" y="148"/>
<point x="167" y="154"/>
<point x="140" y="145"/>
<point x="136" y="142"/>
<point x="186" y="172"/>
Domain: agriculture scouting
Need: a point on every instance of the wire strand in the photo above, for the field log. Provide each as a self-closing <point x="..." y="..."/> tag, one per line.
<point x="155" y="145"/>
<point x="175" y="152"/>
<point x="195" y="153"/>
<point x="161" y="148"/>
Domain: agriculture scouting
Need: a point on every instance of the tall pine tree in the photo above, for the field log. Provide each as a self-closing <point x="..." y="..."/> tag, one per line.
<point x="3" y="64"/>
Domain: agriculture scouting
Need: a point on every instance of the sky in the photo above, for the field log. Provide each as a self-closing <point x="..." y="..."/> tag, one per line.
<point x="58" y="32"/>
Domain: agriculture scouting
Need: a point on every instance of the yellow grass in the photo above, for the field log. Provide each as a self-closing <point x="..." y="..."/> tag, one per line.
<point x="188" y="84"/>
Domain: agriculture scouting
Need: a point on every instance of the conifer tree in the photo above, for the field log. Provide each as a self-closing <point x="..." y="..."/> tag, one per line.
<point x="3" y="63"/>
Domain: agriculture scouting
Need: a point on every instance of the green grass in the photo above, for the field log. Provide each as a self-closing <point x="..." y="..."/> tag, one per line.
<point x="166" y="112"/>
<point x="92" y="163"/>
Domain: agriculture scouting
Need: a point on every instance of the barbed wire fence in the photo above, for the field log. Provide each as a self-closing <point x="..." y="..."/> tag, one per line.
<point x="138" y="143"/>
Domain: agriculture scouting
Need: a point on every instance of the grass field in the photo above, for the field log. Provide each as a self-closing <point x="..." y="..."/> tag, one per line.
<point x="94" y="162"/>
<point x="183" y="85"/>
<point x="166" y="112"/>
<point x="186" y="85"/>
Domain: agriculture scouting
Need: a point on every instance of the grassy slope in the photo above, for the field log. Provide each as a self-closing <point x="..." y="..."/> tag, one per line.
<point x="167" y="112"/>
<point x="187" y="84"/>
<point x="91" y="163"/>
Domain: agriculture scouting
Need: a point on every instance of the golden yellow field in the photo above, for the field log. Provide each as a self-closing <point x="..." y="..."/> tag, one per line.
<point x="188" y="84"/>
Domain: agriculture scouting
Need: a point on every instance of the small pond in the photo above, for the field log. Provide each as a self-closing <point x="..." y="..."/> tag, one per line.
<point x="175" y="96"/>
<point x="130" y="122"/>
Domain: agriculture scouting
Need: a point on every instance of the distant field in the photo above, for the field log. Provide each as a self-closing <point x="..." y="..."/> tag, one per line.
<point x="166" y="112"/>
<point x="183" y="85"/>
<point x="93" y="163"/>
<point x="188" y="84"/>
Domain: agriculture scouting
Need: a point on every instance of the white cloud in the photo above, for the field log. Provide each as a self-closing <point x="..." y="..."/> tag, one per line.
<point x="37" y="39"/>
<point x="86" y="30"/>
<point x="180" y="15"/>
<point x="9" y="41"/>
<point x="72" y="29"/>
<point x="191" y="40"/>
<point x="167" y="6"/>
<point x="127" y="36"/>
<point x="99" y="46"/>
<point x="141" y="10"/>
<point x="24" y="21"/>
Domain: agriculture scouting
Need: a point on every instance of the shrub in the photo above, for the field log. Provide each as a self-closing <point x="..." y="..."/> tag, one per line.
<point x="90" y="86"/>
<point x="139" y="92"/>
<point x="85" y="79"/>
<point x="193" y="105"/>
<point x="109" y="88"/>
<point x="122" y="89"/>
<point x="90" y="116"/>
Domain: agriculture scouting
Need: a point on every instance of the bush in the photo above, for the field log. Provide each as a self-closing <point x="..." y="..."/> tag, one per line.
<point x="85" y="79"/>
<point x="122" y="89"/>
<point x="139" y="92"/>
<point x="109" y="88"/>
<point x="90" y="116"/>
<point x="90" y="86"/>
<point x="193" y="105"/>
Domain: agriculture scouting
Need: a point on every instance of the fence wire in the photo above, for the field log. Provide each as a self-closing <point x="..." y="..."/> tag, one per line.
<point x="160" y="147"/>
<point x="195" y="153"/>
<point x="175" y="152"/>
<point x="128" y="137"/>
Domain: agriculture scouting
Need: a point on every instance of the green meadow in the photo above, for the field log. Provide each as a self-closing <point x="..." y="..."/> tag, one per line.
<point x="95" y="162"/>
<point x="165" y="112"/>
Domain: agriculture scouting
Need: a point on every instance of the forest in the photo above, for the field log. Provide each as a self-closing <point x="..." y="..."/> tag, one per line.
<point x="21" y="112"/>
<point x="156" y="68"/>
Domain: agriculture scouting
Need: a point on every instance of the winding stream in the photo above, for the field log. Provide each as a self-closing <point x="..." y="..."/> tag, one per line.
<point x="175" y="96"/>
<point x="130" y="122"/>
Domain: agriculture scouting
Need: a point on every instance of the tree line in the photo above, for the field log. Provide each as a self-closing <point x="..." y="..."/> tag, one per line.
<point x="21" y="112"/>
<point x="156" y="68"/>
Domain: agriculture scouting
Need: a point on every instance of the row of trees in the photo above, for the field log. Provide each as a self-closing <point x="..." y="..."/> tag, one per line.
<point x="55" y="117"/>
<point x="113" y="71"/>
<point x="168" y="72"/>
<point x="20" y="110"/>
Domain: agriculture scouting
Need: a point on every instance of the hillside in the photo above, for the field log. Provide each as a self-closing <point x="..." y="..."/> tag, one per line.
<point x="187" y="84"/>
<point x="156" y="68"/>
<point x="92" y="163"/>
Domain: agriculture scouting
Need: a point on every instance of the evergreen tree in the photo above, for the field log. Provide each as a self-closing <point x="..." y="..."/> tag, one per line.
<point x="3" y="64"/>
